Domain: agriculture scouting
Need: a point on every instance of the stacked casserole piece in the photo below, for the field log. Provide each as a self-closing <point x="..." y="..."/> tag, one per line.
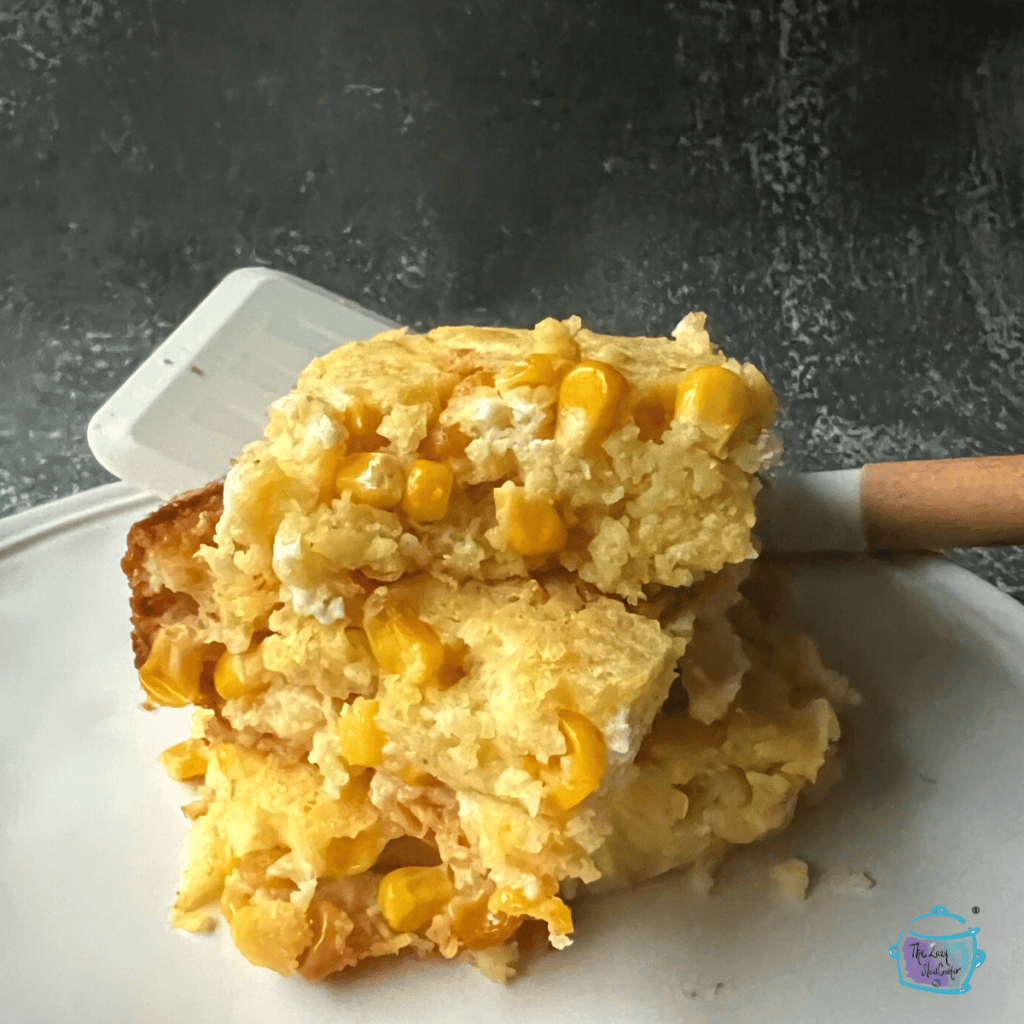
<point x="463" y="632"/>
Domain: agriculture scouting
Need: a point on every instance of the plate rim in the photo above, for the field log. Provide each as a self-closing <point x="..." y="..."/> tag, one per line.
<point x="32" y="525"/>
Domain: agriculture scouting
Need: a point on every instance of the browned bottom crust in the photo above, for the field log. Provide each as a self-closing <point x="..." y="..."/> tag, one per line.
<point x="177" y="529"/>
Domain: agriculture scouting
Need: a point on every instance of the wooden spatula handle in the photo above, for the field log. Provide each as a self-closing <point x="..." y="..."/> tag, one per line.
<point x="944" y="503"/>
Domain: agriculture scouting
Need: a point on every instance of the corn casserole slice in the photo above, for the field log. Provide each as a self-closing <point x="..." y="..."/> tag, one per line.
<point x="464" y="631"/>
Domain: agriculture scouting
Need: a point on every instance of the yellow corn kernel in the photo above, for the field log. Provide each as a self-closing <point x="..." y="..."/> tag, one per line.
<point x="272" y="934"/>
<point x="236" y="675"/>
<point x="478" y="927"/>
<point x="712" y="396"/>
<point x="513" y="902"/>
<point x="185" y="760"/>
<point x="173" y="669"/>
<point x="353" y="855"/>
<point x="410" y="898"/>
<point x="532" y="526"/>
<point x="535" y="370"/>
<point x="404" y="644"/>
<point x="374" y="478"/>
<point x="653" y="411"/>
<point x="581" y="767"/>
<point x="427" y="491"/>
<point x="590" y="400"/>
<point x="326" y="954"/>
<point x="360" y="739"/>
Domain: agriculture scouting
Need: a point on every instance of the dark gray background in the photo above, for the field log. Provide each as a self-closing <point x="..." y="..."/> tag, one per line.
<point x="837" y="183"/>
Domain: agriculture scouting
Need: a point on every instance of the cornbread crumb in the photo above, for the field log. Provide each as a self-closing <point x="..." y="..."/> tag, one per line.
<point x="199" y="922"/>
<point x="852" y="882"/>
<point x="791" y="878"/>
<point x="497" y="963"/>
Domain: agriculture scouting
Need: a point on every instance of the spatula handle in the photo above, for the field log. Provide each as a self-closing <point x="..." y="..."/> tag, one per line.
<point x="943" y="503"/>
<point x="891" y="506"/>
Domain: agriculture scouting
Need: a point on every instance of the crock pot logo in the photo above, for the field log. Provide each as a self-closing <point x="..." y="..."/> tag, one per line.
<point x="937" y="953"/>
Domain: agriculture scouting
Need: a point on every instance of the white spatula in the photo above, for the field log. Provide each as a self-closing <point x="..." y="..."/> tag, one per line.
<point x="190" y="408"/>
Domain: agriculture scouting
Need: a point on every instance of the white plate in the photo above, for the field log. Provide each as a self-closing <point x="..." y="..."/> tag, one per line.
<point x="91" y="833"/>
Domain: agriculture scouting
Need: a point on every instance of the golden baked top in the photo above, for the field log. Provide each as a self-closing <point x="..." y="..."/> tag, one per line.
<point x="491" y="454"/>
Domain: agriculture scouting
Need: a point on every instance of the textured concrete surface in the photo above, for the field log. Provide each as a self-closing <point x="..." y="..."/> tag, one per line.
<point x="837" y="183"/>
